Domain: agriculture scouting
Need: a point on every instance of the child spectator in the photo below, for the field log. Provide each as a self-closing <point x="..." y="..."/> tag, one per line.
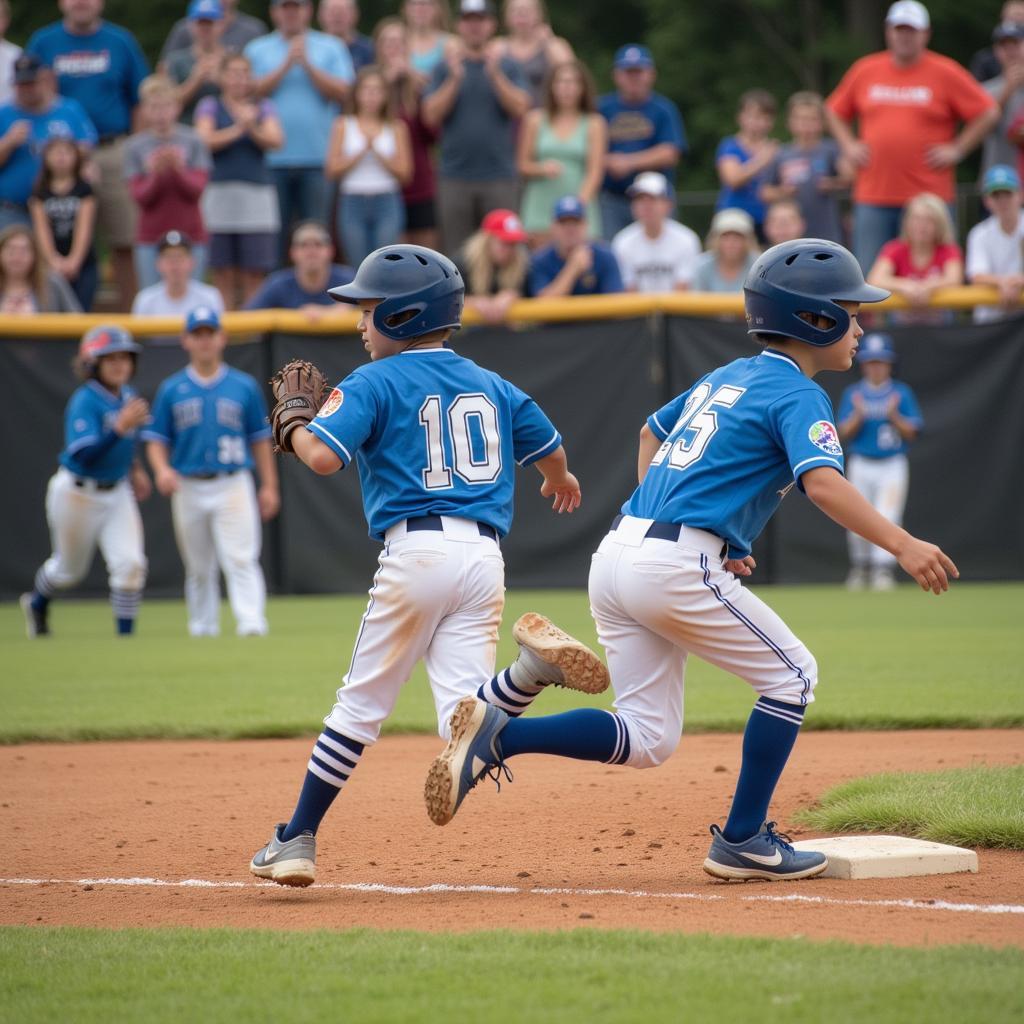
<point x="532" y="44"/>
<point x="494" y="263"/>
<point x="783" y="222"/>
<point x="166" y="166"/>
<point x="995" y="247"/>
<point x="732" y="249"/>
<point x="239" y="204"/>
<point x="742" y="160"/>
<point x="809" y="169"/>
<point x="63" y="209"/>
<point x="26" y="286"/>
<point x="427" y="21"/>
<point x="561" y="150"/>
<point x="196" y="69"/>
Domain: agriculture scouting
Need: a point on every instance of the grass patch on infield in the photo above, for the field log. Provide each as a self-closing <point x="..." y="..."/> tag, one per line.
<point x="977" y="806"/>
<point x="892" y="660"/>
<point x="223" y="975"/>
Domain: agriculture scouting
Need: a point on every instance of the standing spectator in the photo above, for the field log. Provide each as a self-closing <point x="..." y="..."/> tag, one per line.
<point x="985" y="64"/>
<point x="809" y="169"/>
<point x="307" y="74"/>
<point x="304" y="285"/>
<point x="9" y="53"/>
<point x="239" y="204"/>
<point x="494" y="263"/>
<point x="101" y="66"/>
<point x="532" y="44"/>
<point x="63" y="208"/>
<point x="908" y="102"/>
<point x="196" y="68"/>
<point x="573" y="264"/>
<point x="239" y="30"/>
<point x="783" y="222"/>
<point x="26" y="286"/>
<point x="995" y="247"/>
<point x="475" y="99"/>
<point x="35" y="116"/>
<point x="391" y="40"/>
<point x="742" y="160"/>
<point x="340" y="18"/>
<point x="428" y="22"/>
<point x="1007" y="89"/>
<point x="166" y="166"/>
<point x="177" y="291"/>
<point x="732" y="249"/>
<point x="371" y="155"/>
<point x="655" y="253"/>
<point x="645" y="133"/>
<point x="561" y="150"/>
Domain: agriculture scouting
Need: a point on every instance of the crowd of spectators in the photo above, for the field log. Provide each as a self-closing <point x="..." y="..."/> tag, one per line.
<point x="270" y="160"/>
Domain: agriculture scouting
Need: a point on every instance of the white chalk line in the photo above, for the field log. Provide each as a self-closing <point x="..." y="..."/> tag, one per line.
<point x="511" y="890"/>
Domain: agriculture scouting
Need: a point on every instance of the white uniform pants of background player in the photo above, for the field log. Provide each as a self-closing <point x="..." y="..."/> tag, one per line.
<point x="657" y="601"/>
<point x="82" y="518"/>
<point x="217" y="524"/>
<point x="884" y="483"/>
<point x="437" y="595"/>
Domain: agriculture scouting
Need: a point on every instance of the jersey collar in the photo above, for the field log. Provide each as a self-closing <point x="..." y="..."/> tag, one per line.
<point x="772" y="353"/>
<point x="207" y="382"/>
<point x="105" y="393"/>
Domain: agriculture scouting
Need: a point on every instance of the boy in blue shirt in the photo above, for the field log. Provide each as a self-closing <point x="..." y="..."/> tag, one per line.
<point x="713" y="466"/>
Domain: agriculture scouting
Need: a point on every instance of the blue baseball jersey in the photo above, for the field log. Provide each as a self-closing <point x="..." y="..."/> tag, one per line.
<point x="88" y="422"/>
<point x="432" y="433"/>
<point x="209" y="425"/>
<point x="732" y="447"/>
<point x="877" y="437"/>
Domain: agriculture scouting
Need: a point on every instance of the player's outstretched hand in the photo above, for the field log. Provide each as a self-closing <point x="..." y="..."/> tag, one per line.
<point x="565" y="491"/>
<point x="269" y="501"/>
<point x="132" y="414"/>
<point x="928" y="564"/>
<point x="740" y="566"/>
<point x="167" y="481"/>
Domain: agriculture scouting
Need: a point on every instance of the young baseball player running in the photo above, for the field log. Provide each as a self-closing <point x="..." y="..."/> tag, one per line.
<point x="879" y="418"/>
<point x="209" y="429"/>
<point x="713" y="465"/>
<point x="91" y="499"/>
<point x="435" y="439"/>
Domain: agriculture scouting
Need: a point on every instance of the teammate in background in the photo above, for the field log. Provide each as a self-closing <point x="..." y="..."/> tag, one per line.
<point x="879" y="417"/>
<point x="91" y="499"/>
<point x="209" y="428"/>
<point x="436" y="439"/>
<point x="713" y="465"/>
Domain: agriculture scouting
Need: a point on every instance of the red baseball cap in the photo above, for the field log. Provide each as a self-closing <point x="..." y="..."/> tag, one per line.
<point x="504" y="224"/>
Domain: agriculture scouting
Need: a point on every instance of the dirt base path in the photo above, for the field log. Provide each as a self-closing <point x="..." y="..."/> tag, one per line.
<point x="106" y="833"/>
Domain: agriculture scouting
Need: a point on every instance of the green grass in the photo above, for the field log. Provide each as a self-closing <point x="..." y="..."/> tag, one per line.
<point x="224" y="975"/>
<point x="894" y="660"/>
<point x="978" y="806"/>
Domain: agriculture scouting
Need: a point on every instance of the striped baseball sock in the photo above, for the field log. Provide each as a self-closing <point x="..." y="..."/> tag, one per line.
<point x="767" y="743"/>
<point x="125" y="604"/>
<point x="42" y="590"/>
<point x="509" y="691"/>
<point x="586" y="734"/>
<point x="333" y="760"/>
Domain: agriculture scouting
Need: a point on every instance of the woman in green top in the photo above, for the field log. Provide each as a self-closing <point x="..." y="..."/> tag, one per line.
<point x="562" y="146"/>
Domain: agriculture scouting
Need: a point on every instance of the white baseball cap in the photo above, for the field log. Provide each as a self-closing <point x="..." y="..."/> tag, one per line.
<point x="732" y="219"/>
<point x="650" y="183"/>
<point x="909" y="12"/>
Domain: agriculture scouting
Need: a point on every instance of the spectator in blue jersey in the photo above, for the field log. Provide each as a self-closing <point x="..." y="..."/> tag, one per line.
<point x="878" y="420"/>
<point x="239" y="30"/>
<point x="340" y="18"/>
<point x="304" y="285"/>
<point x="26" y="125"/>
<point x="645" y="133"/>
<point x="307" y="74"/>
<point x="101" y="66"/>
<point x="573" y="264"/>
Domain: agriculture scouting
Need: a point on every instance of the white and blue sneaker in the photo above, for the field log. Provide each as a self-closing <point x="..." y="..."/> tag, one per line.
<point x="291" y="862"/>
<point x="551" y="656"/>
<point x="767" y="855"/>
<point x="472" y="753"/>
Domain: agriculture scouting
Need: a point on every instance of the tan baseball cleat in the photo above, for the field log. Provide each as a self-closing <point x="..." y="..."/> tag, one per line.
<point x="555" y="658"/>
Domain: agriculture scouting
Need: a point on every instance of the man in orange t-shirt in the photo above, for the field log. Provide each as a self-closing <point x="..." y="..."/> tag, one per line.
<point x="908" y="102"/>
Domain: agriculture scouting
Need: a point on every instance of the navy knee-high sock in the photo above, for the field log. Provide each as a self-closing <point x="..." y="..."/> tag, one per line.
<point x="767" y="742"/>
<point x="587" y="734"/>
<point x="333" y="760"/>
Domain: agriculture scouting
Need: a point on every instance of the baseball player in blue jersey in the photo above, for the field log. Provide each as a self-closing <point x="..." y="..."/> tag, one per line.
<point x="209" y="430"/>
<point x="878" y="419"/>
<point x="713" y="465"/>
<point x="435" y="439"/>
<point x="91" y="499"/>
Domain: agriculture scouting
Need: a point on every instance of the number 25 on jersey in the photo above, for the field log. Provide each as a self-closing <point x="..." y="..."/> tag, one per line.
<point x="696" y="426"/>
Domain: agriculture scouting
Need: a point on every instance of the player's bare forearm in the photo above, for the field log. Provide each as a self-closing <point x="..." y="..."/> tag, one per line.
<point x="649" y="445"/>
<point x="156" y="453"/>
<point x="559" y="483"/>
<point x="313" y="452"/>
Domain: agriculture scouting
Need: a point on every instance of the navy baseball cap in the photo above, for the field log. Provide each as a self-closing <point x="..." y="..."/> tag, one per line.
<point x="1000" y="178"/>
<point x="202" y="316"/>
<point x="876" y="347"/>
<point x="205" y="10"/>
<point x="633" y="55"/>
<point x="27" y="68"/>
<point x="568" y="208"/>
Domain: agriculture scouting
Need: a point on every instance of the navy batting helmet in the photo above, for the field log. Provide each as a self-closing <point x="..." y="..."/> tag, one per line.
<point x="105" y="340"/>
<point x="420" y="291"/>
<point x="809" y="276"/>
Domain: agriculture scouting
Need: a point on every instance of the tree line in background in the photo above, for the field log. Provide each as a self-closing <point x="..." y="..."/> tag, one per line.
<point x="708" y="53"/>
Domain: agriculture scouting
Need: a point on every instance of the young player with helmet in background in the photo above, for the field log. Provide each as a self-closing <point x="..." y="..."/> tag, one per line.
<point x="91" y="499"/>
<point x="435" y="439"/>
<point x="713" y="466"/>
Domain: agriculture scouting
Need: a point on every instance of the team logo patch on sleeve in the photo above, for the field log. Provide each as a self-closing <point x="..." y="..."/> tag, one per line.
<point x="333" y="403"/>
<point x="823" y="435"/>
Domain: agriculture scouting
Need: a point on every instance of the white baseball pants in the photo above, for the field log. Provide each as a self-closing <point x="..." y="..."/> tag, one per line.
<point x="884" y="483"/>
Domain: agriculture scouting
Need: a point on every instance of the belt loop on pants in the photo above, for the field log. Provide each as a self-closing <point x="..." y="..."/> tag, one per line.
<point x="686" y="536"/>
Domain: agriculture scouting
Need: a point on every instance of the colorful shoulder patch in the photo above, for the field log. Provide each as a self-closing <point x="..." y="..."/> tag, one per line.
<point x="333" y="403"/>
<point x="824" y="435"/>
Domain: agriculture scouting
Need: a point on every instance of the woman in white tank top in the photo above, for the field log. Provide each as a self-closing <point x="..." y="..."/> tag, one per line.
<point x="370" y="155"/>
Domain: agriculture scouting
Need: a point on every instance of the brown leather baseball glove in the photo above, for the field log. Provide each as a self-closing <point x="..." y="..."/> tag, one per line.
<point x="299" y="390"/>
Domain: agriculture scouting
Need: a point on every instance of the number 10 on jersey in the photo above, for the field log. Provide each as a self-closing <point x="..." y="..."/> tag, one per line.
<point x="472" y="422"/>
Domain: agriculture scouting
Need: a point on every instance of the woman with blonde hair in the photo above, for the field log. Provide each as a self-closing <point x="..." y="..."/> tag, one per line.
<point x="731" y="251"/>
<point x="494" y="263"/>
<point x="26" y="286"/>
<point x="427" y="21"/>
<point x="561" y="150"/>
<point x="532" y="44"/>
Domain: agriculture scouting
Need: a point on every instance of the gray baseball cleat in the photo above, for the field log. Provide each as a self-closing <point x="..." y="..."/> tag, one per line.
<point x="553" y="657"/>
<point x="36" y="623"/>
<point x="766" y="855"/>
<point x="291" y="862"/>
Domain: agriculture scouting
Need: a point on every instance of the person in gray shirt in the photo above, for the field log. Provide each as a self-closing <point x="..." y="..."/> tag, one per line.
<point x="239" y="29"/>
<point x="1007" y="89"/>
